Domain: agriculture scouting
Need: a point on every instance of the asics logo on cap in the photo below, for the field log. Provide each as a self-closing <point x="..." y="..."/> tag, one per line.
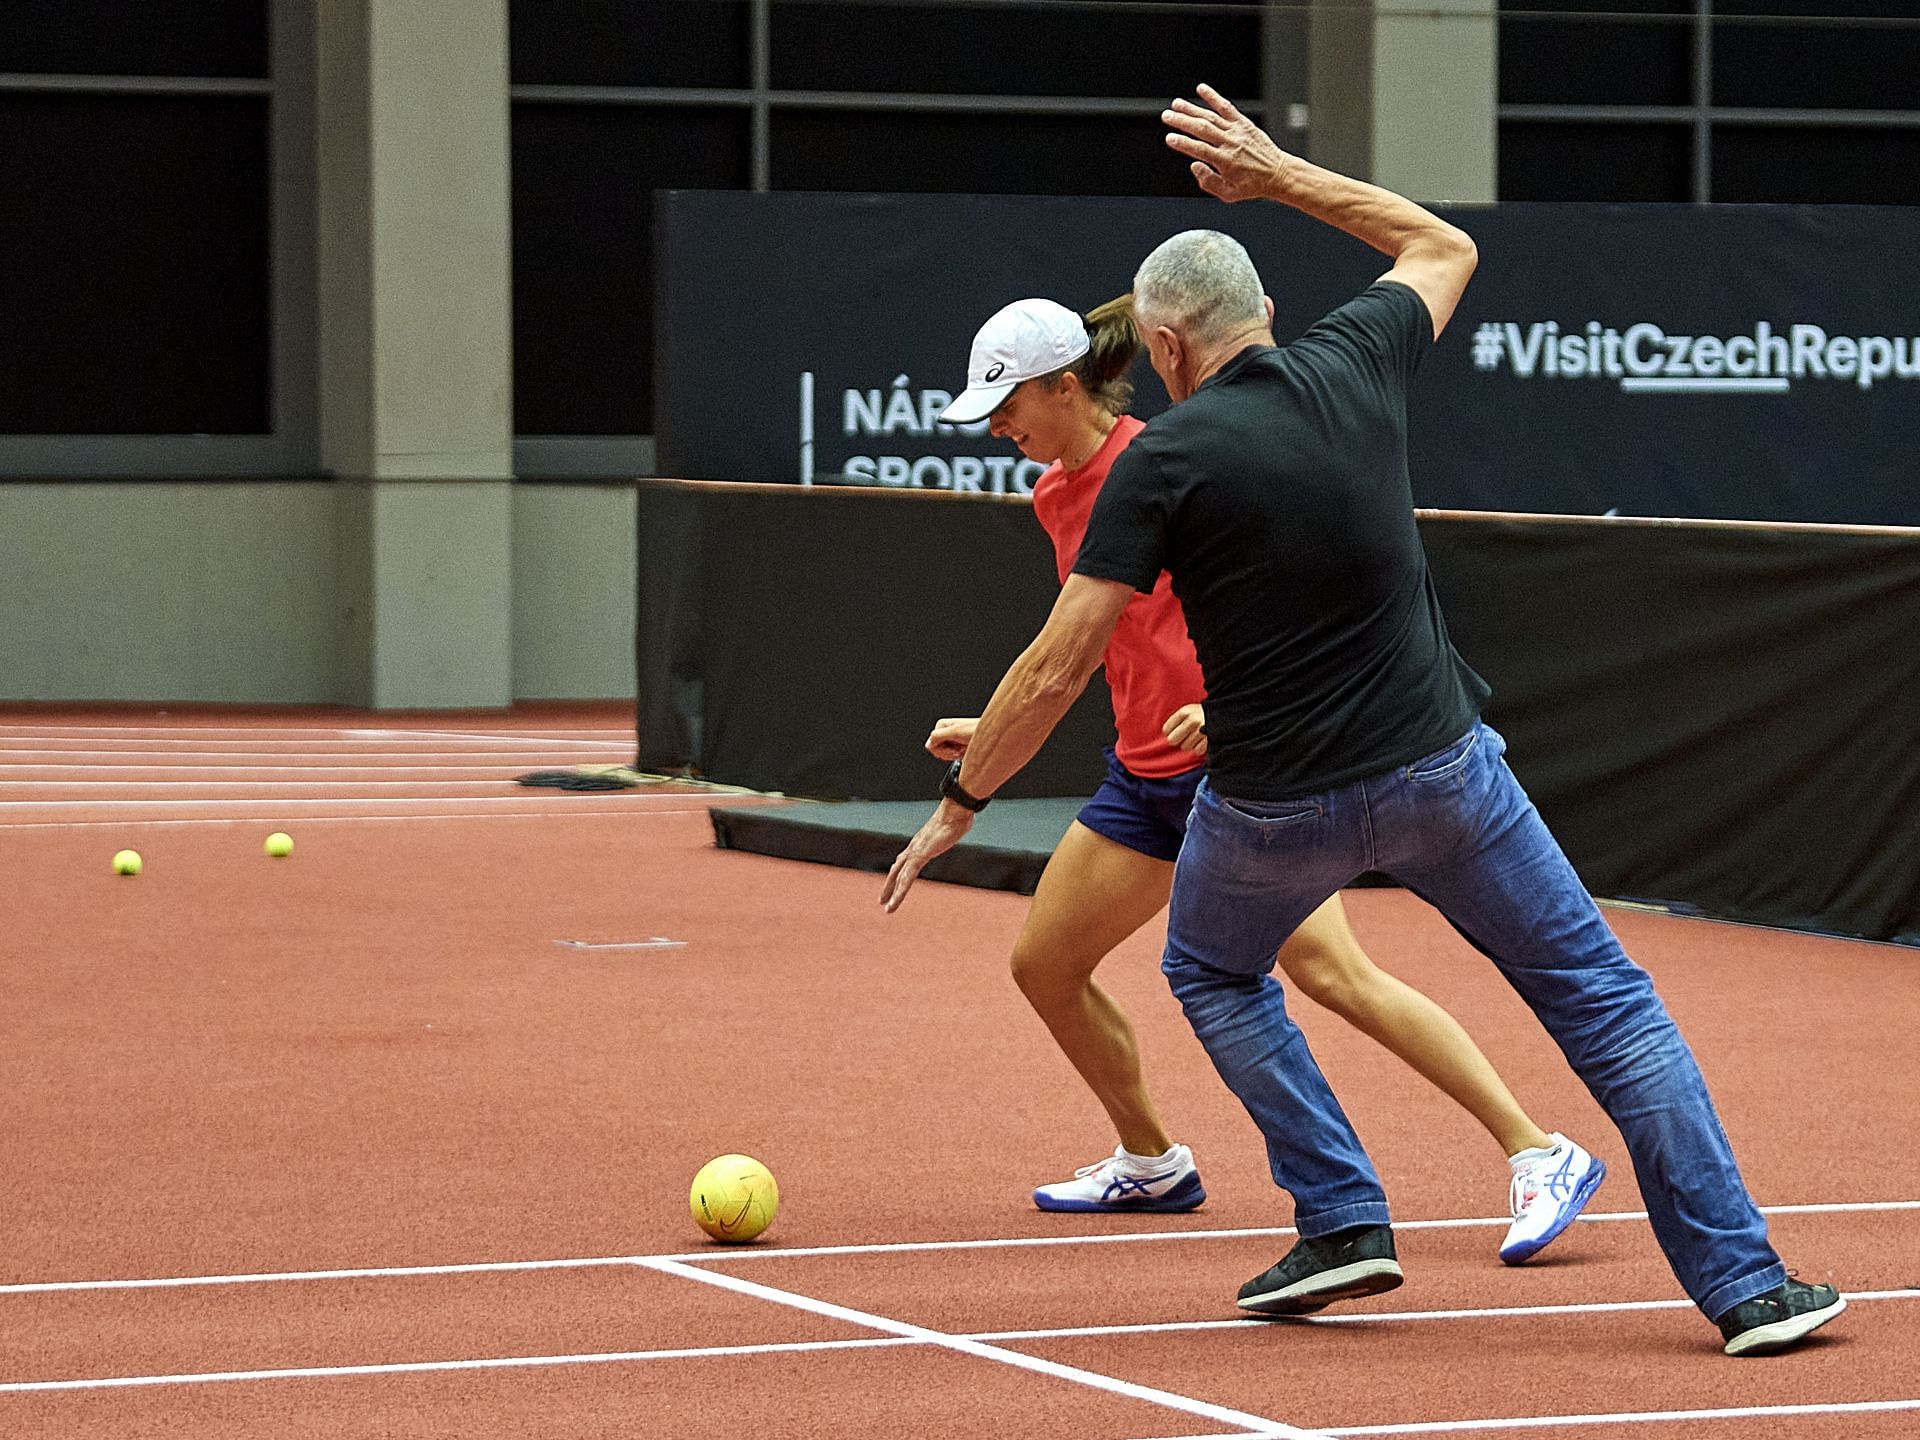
<point x="1026" y="339"/>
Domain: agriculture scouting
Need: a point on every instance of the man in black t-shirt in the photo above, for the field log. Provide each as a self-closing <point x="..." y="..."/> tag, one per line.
<point x="1344" y="735"/>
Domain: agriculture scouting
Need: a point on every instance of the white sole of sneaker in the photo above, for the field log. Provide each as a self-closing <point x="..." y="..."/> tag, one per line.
<point x="1766" y="1339"/>
<point x="1349" y="1282"/>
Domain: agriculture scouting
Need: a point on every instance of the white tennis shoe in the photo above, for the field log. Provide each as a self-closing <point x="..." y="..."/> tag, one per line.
<point x="1125" y="1181"/>
<point x="1550" y="1189"/>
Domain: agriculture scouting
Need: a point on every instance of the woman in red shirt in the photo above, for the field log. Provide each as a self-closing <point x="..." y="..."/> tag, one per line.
<point x="1056" y="386"/>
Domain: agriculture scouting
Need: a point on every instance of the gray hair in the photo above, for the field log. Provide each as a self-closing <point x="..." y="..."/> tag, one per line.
<point x="1200" y="283"/>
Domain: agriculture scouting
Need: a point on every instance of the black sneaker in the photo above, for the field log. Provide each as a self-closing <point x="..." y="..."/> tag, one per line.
<point x="1342" y="1266"/>
<point x="1779" y="1319"/>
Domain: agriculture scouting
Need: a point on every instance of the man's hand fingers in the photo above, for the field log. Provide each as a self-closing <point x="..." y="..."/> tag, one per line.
<point x="1193" y="112"/>
<point x="1201" y="127"/>
<point x="1210" y="181"/>
<point x="1219" y="102"/>
<point x="1188" y="145"/>
<point x="899" y="880"/>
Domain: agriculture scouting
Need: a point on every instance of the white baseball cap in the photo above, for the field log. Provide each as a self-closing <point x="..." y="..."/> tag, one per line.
<point x="1027" y="339"/>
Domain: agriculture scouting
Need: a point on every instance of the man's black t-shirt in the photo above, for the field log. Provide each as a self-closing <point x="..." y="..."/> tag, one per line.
<point x="1277" y="496"/>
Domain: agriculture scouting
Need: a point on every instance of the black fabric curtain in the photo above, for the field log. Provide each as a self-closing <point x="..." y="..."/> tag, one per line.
<point x="1721" y="718"/>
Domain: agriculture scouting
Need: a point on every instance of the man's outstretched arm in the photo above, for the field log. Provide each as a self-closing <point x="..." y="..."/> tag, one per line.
<point x="1235" y="159"/>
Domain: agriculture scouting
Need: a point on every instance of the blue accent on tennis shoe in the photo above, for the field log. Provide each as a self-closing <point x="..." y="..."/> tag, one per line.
<point x="1553" y="1190"/>
<point x="1131" y="1194"/>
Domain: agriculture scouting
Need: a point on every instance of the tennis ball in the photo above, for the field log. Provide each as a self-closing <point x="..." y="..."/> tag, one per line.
<point x="279" y="843"/>
<point x="127" y="862"/>
<point x="734" y="1197"/>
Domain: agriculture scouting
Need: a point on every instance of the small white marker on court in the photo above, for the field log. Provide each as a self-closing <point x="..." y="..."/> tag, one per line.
<point x="658" y="942"/>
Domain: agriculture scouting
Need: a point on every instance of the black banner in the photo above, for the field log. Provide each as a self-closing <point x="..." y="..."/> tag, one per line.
<point x="1736" y="362"/>
<point x="1719" y="717"/>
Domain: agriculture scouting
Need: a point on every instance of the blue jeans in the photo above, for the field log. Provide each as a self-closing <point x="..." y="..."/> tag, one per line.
<point x="1457" y="830"/>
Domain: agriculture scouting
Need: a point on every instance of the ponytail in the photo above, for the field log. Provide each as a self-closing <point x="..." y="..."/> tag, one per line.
<point x="1115" y="344"/>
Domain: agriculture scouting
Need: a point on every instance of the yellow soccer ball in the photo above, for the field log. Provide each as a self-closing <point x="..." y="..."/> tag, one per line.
<point x="734" y="1198"/>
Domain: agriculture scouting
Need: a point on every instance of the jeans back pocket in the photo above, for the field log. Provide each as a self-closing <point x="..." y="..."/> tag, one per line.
<point x="1271" y="812"/>
<point x="1447" y="763"/>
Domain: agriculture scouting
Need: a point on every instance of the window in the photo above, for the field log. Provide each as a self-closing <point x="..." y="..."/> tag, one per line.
<point x="156" y="242"/>
<point x="1734" y="100"/>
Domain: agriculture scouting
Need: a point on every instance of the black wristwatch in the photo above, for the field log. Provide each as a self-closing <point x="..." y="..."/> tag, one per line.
<point x="951" y="789"/>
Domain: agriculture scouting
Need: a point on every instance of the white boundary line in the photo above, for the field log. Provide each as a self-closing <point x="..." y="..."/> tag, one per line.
<point x="556" y="813"/>
<point x="187" y="803"/>
<point x="1390" y="1317"/>
<point x="201" y="772"/>
<point x="294" y="739"/>
<point x="280" y="739"/>
<point x="718" y="1255"/>
<point x="1643" y="1417"/>
<point x="527" y="755"/>
<point x="343" y="732"/>
<point x="901" y="1335"/>
<point x="1542" y="1422"/>
<point x="122" y="787"/>
<point x="628" y="735"/>
<point x="418" y="1367"/>
<point x="1092" y="1379"/>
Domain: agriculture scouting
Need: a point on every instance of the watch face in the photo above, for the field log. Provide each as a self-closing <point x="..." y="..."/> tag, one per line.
<point x="951" y="789"/>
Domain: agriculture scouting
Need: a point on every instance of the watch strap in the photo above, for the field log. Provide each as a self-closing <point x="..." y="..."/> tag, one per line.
<point x="952" y="789"/>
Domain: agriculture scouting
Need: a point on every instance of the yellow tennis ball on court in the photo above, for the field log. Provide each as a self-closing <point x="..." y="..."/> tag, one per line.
<point x="127" y="862"/>
<point x="734" y="1197"/>
<point x="279" y="843"/>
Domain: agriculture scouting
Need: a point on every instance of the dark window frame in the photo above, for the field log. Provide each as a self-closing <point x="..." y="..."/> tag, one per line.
<point x="1705" y="117"/>
<point x="291" y="446"/>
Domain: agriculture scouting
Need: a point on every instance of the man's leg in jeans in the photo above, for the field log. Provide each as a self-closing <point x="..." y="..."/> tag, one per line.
<point x="1236" y="897"/>
<point x="1459" y="831"/>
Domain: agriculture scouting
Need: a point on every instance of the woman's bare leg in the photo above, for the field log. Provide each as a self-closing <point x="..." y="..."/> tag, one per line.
<point x="1094" y="893"/>
<point x="1325" y="962"/>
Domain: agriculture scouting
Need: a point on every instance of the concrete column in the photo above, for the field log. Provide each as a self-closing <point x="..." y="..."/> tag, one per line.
<point x="1405" y="93"/>
<point x="416" y="418"/>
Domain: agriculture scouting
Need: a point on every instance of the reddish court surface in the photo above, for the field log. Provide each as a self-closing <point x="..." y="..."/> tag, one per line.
<point x="374" y="1056"/>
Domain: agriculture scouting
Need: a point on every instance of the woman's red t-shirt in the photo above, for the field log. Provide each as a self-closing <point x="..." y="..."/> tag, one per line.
<point x="1151" y="668"/>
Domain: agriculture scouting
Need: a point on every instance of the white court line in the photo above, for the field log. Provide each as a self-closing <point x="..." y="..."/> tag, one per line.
<point x="658" y="942"/>
<point x="1089" y="1378"/>
<point x="296" y="751"/>
<point x="350" y="734"/>
<point x="556" y="813"/>
<point x="418" y="1367"/>
<point x="476" y="735"/>
<point x="730" y="1254"/>
<point x="123" y="786"/>
<point x="200" y="773"/>
<point x="477" y="801"/>
<point x="338" y="732"/>
<point x="329" y="745"/>
<point x="1543" y="1422"/>
<point x="1390" y="1317"/>
<point x="453" y="744"/>
<point x="900" y="1340"/>
<point x="1643" y="1417"/>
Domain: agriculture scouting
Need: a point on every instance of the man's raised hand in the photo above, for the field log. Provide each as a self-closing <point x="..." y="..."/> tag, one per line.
<point x="1231" y="157"/>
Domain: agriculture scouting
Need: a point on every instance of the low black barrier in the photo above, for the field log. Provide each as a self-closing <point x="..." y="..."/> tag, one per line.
<point x="805" y="640"/>
<point x="1715" y="716"/>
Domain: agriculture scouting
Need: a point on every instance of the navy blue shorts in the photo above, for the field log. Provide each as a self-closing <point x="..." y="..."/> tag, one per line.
<point x="1145" y="815"/>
